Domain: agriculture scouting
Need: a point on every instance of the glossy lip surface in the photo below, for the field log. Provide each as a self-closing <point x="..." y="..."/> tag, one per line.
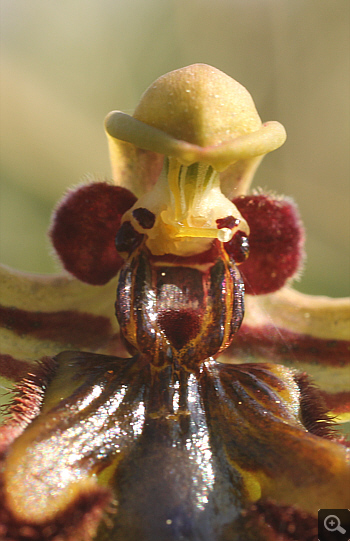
<point x="176" y="446"/>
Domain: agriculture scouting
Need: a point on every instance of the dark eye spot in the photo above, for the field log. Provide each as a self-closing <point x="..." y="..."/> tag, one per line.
<point x="127" y="238"/>
<point x="230" y="222"/>
<point x="145" y="217"/>
<point x="238" y="247"/>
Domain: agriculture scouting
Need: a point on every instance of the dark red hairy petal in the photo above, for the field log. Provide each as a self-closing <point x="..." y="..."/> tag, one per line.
<point x="275" y="240"/>
<point x="84" y="227"/>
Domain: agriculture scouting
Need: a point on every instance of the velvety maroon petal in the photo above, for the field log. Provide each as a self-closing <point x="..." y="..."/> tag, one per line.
<point x="276" y="242"/>
<point x="84" y="227"/>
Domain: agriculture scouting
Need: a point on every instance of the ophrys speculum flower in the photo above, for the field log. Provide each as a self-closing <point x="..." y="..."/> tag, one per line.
<point x="168" y="441"/>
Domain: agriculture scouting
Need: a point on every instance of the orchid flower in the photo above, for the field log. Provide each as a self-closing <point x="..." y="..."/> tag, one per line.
<point x="176" y="420"/>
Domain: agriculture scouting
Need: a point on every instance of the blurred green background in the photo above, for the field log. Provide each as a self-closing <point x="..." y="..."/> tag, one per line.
<point x="66" y="64"/>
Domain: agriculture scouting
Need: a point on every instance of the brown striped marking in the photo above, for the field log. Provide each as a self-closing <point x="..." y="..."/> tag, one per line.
<point x="14" y="369"/>
<point x="337" y="402"/>
<point x="69" y="327"/>
<point x="281" y="345"/>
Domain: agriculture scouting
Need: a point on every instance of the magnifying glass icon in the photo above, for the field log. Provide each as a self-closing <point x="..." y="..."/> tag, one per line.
<point x="332" y="524"/>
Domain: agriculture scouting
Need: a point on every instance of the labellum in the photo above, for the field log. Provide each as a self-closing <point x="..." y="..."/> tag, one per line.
<point x="182" y="423"/>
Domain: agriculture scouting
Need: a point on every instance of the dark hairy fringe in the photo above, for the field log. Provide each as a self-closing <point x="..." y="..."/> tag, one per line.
<point x="26" y="402"/>
<point x="314" y="412"/>
<point x="288" y="523"/>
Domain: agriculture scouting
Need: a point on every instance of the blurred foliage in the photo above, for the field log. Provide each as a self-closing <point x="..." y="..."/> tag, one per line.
<point x="65" y="64"/>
